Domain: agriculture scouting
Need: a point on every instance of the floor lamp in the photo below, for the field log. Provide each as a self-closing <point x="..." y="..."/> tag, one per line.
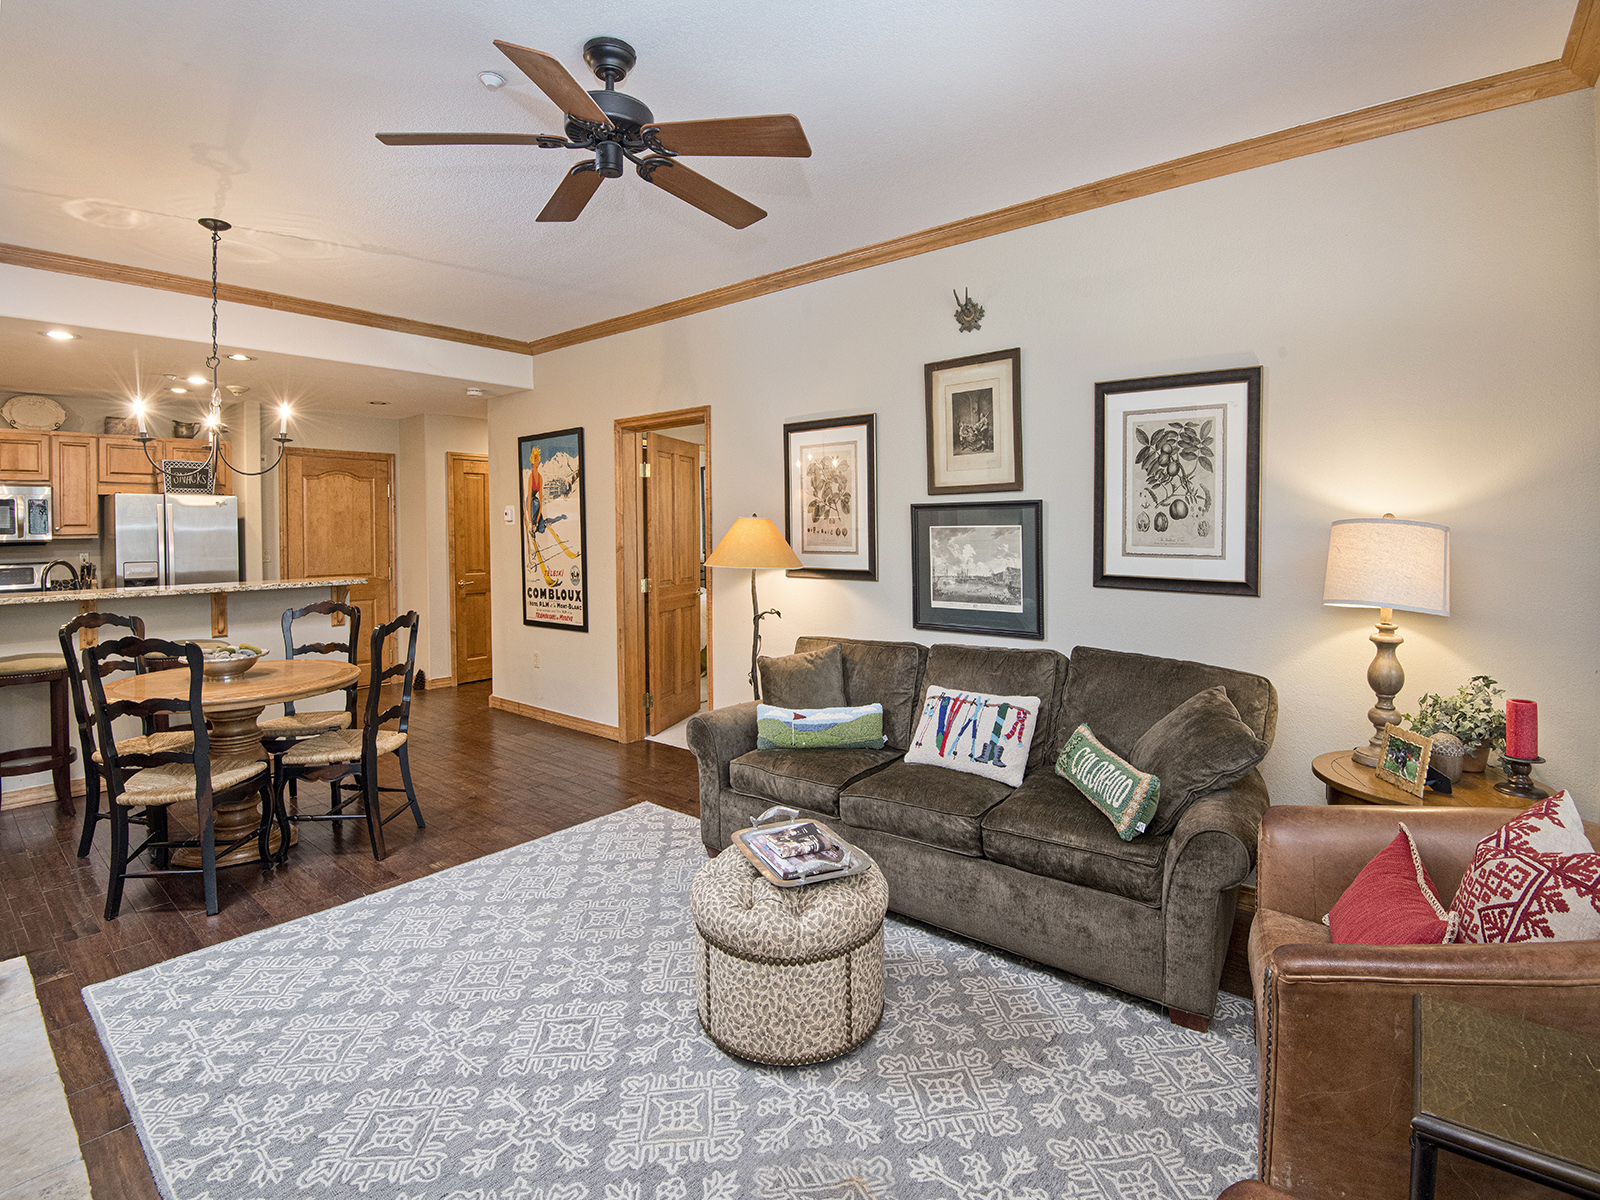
<point x="1387" y="564"/>
<point x="755" y="544"/>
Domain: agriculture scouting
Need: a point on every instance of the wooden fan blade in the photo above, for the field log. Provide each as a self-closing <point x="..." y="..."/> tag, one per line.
<point x="672" y="176"/>
<point x="572" y="195"/>
<point x="462" y="139"/>
<point x="554" y="81"/>
<point x="777" y="136"/>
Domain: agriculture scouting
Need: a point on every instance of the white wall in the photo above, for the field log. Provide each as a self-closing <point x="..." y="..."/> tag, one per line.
<point x="1425" y="307"/>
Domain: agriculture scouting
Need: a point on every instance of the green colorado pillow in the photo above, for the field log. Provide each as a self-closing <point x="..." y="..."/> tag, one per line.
<point x="1127" y="795"/>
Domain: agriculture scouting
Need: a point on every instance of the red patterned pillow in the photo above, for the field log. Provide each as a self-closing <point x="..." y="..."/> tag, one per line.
<point x="1392" y="902"/>
<point x="1520" y="888"/>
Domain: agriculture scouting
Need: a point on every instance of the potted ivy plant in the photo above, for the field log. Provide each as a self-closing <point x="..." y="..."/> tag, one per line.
<point x="1472" y="714"/>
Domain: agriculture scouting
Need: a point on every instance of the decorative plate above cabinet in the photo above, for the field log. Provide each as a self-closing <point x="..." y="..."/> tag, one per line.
<point x="33" y="412"/>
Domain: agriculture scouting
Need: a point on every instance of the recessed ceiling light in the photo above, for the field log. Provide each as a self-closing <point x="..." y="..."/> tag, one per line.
<point x="378" y="402"/>
<point x="59" y="335"/>
<point x="492" y="80"/>
<point x="197" y="380"/>
<point x="180" y="391"/>
<point x="238" y="389"/>
<point x="242" y="357"/>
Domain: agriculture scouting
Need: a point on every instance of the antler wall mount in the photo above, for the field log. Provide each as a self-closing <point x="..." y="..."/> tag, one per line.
<point x="619" y="129"/>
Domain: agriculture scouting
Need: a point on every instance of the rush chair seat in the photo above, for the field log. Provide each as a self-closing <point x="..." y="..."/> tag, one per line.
<point x="353" y="754"/>
<point x="19" y="670"/>
<point x="151" y="741"/>
<point x="153" y="780"/>
<point x="308" y="724"/>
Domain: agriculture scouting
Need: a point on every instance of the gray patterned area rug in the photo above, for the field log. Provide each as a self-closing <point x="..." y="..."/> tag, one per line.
<point x="523" y="1027"/>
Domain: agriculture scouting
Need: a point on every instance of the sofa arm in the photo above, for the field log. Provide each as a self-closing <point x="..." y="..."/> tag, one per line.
<point x="1211" y="852"/>
<point x="1337" y="1049"/>
<point x="1309" y="854"/>
<point x="717" y="738"/>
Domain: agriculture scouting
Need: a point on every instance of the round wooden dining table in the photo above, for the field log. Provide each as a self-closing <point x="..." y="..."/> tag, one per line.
<point x="232" y="708"/>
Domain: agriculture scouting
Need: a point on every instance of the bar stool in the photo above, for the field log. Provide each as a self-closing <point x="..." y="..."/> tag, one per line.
<point x="58" y="757"/>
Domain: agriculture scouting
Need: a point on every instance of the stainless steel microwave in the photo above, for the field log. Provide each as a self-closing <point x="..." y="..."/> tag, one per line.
<point x="25" y="512"/>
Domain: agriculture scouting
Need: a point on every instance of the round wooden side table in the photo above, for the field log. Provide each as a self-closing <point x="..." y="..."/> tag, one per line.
<point x="231" y="708"/>
<point x="1348" y="782"/>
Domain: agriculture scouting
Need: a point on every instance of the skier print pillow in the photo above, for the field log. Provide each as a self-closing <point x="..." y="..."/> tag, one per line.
<point x="974" y="733"/>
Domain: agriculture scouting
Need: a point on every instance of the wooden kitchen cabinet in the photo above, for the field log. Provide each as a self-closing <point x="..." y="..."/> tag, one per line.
<point x="194" y="451"/>
<point x="124" y="467"/>
<point x="74" y="484"/>
<point x="24" y="456"/>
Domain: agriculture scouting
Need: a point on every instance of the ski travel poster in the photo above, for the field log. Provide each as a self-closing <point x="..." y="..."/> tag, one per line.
<point x="554" y="541"/>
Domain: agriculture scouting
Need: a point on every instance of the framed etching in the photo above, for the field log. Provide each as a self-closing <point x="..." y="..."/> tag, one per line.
<point x="1404" y="761"/>
<point x="978" y="568"/>
<point x="830" y="495"/>
<point x="975" y="424"/>
<point x="1177" y="482"/>
<point x="555" y="544"/>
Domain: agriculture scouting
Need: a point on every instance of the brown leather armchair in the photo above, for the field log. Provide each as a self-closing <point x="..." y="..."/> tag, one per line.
<point x="1333" y="1023"/>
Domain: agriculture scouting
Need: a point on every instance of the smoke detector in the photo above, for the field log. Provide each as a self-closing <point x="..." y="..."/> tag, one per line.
<point x="474" y="391"/>
<point x="238" y="389"/>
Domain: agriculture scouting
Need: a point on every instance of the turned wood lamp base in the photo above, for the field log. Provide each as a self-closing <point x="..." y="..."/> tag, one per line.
<point x="1385" y="677"/>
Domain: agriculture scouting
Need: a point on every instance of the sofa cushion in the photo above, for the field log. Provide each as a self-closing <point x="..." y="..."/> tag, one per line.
<point x="814" y="679"/>
<point x="819" y="728"/>
<point x="886" y="673"/>
<point x="808" y="779"/>
<point x="1125" y="794"/>
<point x="1198" y="747"/>
<point x="1122" y="695"/>
<point x="975" y="733"/>
<point x="1047" y="827"/>
<point x="926" y="804"/>
<point x="1002" y="671"/>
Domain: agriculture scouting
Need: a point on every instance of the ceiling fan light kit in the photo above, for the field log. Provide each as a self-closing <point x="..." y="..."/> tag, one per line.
<point x="619" y="129"/>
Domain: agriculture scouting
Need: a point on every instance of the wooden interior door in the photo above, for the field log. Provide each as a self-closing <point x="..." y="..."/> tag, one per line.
<point x="335" y="521"/>
<point x="672" y="560"/>
<point x="468" y="497"/>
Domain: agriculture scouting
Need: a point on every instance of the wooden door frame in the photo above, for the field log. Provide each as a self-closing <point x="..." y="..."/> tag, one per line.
<point x="631" y="666"/>
<point x="450" y="457"/>
<point x="283" y="513"/>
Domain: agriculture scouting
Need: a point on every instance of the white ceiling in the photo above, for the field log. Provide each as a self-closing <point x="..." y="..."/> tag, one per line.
<point x="123" y="122"/>
<point x="116" y="365"/>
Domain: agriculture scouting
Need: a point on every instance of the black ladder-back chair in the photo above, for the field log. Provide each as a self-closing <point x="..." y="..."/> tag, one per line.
<point x="337" y="756"/>
<point x="280" y="733"/>
<point x="155" y="779"/>
<point x="152" y="738"/>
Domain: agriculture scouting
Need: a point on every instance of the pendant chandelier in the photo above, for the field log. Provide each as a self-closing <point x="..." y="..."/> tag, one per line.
<point x="213" y="418"/>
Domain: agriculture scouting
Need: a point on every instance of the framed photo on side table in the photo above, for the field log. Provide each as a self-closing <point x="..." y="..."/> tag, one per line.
<point x="975" y="424"/>
<point x="830" y="497"/>
<point x="555" y="586"/>
<point x="1404" y="761"/>
<point x="978" y="568"/>
<point x="1177" y="482"/>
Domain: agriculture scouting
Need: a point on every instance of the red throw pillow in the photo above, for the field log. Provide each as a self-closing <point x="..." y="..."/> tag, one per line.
<point x="1516" y="890"/>
<point x="1392" y="902"/>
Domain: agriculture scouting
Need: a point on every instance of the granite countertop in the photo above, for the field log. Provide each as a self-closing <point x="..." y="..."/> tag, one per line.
<point x="183" y="589"/>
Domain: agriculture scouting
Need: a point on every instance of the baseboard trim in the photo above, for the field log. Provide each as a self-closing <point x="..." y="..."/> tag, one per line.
<point x="44" y="793"/>
<point x="564" y="720"/>
<point x="443" y="681"/>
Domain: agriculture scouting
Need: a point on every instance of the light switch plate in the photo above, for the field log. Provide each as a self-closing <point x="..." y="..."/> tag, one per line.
<point x="511" y="514"/>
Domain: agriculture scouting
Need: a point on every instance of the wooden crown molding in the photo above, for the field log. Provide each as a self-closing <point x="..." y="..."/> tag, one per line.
<point x="1397" y="116"/>
<point x="1577" y="68"/>
<point x="93" y="268"/>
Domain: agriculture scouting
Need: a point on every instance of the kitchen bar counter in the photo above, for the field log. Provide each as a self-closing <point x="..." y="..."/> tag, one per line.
<point x="182" y="589"/>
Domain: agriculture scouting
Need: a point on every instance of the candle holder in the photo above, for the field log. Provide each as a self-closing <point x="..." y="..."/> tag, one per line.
<point x="1518" y="783"/>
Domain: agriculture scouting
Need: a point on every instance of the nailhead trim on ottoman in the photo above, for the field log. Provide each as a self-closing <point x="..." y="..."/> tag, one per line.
<point x="787" y="976"/>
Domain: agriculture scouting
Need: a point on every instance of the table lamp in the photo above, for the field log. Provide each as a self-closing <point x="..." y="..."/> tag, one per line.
<point x="754" y="542"/>
<point x="1387" y="564"/>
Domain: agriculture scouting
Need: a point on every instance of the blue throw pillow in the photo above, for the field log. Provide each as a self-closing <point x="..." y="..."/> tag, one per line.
<point x="858" y="728"/>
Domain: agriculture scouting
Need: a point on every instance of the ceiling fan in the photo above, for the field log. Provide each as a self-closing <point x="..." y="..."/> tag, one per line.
<point x="616" y="127"/>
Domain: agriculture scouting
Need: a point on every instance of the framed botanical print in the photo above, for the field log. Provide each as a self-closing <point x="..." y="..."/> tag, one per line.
<point x="1177" y="482"/>
<point x="830" y="493"/>
<point x="555" y="588"/>
<point x="978" y="568"/>
<point x="974" y="424"/>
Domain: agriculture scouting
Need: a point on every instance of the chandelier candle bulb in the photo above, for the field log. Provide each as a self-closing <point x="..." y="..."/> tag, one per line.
<point x="283" y="420"/>
<point x="1522" y="729"/>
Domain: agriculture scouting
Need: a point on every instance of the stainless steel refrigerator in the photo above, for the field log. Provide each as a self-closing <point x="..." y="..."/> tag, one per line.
<point x="163" y="540"/>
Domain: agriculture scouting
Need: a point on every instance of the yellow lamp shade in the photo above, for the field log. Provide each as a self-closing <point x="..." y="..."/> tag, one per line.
<point x="753" y="542"/>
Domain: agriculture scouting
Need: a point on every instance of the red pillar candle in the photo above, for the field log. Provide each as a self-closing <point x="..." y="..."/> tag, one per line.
<point x="1522" y="729"/>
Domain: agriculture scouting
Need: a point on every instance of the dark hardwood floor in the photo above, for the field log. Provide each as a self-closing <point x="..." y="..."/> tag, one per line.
<point x="486" y="780"/>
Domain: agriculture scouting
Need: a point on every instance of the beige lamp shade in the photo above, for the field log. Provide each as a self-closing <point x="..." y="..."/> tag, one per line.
<point x="1379" y="562"/>
<point x="753" y="542"/>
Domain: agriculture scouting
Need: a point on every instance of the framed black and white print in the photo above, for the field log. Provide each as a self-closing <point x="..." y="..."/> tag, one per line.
<point x="1177" y="482"/>
<point x="555" y="588"/>
<point x="830" y="494"/>
<point x="974" y="423"/>
<point x="978" y="568"/>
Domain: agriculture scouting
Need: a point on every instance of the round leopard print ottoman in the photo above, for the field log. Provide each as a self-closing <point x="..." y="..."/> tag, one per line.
<point x="787" y="975"/>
